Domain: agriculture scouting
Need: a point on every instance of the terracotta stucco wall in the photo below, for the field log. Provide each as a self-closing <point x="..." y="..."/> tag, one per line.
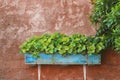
<point x="20" y="19"/>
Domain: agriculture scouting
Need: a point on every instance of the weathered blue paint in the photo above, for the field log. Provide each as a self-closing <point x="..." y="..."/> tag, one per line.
<point x="29" y="58"/>
<point x="67" y="60"/>
<point x="94" y="59"/>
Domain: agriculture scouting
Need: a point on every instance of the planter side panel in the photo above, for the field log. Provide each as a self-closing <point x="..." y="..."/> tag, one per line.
<point x="67" y="60"/>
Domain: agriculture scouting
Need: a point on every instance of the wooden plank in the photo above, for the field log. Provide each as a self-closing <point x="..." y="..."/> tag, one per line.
<point x="75" y="59"/>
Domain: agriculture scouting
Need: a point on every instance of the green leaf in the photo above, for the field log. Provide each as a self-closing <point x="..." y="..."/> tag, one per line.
<point x="62" y="44"/>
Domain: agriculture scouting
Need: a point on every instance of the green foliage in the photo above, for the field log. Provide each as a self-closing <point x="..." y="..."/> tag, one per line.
<point x="95" y="44"/>
<point x="117" y="44"/>
<point x="62" y="44"/>
<point x="116" y="34"/>
<point x="106" y="14"/>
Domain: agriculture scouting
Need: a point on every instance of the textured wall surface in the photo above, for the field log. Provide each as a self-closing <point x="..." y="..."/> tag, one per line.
<point x="20" y="19"/>
<point x="108" y="70"/>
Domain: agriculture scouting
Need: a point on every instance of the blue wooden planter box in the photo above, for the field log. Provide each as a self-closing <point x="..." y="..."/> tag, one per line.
<point x="75" y="59"/>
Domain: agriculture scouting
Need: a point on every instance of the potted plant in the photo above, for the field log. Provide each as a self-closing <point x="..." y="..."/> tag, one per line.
<point x="59" y="48"/>
<point x="78" y="49"/>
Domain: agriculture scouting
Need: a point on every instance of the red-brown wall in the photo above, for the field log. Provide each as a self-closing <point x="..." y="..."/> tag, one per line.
<point x="20" y="19"/>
